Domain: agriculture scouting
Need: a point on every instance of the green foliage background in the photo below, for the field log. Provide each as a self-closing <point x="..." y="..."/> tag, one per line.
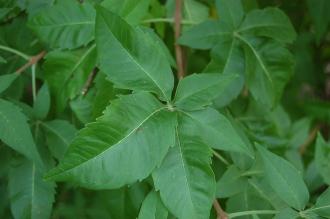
<point x="94" y="122"/>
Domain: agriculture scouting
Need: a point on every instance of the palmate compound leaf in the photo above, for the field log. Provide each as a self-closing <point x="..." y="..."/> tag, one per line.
<point x="30" y="196"/>
<point x="15" y="131"/>
<point x="130" y="57"/>
<point x="198" y="90"/>
<point x="273" y="62"/>
<point x="122" y="146"/>
<point x="285" y="179"/>
<point x="185" y="179"/>
<point x="322" y="206"/>
<point x="153" y="207"/>
<point x="66" y="25"/>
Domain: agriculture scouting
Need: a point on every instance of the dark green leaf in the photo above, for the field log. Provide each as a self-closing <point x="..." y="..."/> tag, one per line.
<point x="42" y="104"/>
<point x="6" y="81"/>
<point x="322" y="158"/>
<point x="152" y="207"/>
<point x="230" y="12"/>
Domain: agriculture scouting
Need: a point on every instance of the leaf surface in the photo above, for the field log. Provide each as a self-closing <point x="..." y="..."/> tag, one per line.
<point x="285" y="179"/>
<point x="198" y="90"/>
<point x="130" y="57"/>
<point x="153" y="207"/>
<point x="66" y="25"/>
<point x="31" y="197"/>
<point x="185" y="179"/>
<point x="122" y="146"/>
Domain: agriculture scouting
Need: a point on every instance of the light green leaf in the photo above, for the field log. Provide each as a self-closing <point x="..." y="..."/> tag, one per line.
<point x="206" y="35"/>
<point x="60" y="134"/>
<point x="15" y="131"/>
<point x="231" y="183"/>
<point x="269" y="22"/>
<point x="30" y="196"/>
<point x="322" y="206"/>
<point x="322" y="158"/>
<point x="121" y="147"/>
<point x="269" y="67"/>
<point x="198" y="90"/>
<point x="66" y="25"/>
<point x="215" y="130"/>
<point x="194" y="11"/>
<point x="66" y="73"/>
<point x="42" y="104"/>
<point x="230" y="12"/>
<point x="131" y="10"/>
<point x="130" y="57"/>
<point x="6" y="81"/>
<point x="185" y="179"/>
<point x="153" y="208"/>
<point x="285" y="179"/>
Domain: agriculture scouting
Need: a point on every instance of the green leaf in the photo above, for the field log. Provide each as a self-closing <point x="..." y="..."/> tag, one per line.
<point x="269" y="22"/>
<point x="15" y="131"/>
<point x="66" y="25"/>
<point x="6" y="81"/>
<point x="287" y="213"/>
<point x="319" y="11"/>
<point x="206" y="35"/>
<point x="194" y="11"/>
<point x="31" y="197"/>
<point x="60" y="134"/>
<point x="230" y="12"/>
<point x="285" y="179"/>
<point x="130" y="57"/>
<point x="269" y="67"/>
<point x="42" y="104"/>
<point x="185" y="179"/>
<point x="228" y="58"/>
<point x="231" y="183"/>
<point x="66" y="73"/>
<point x="121" y="147"/>
<point x="215" y="130"/>
<point x="322" y="158"/>
<point x="2" y="60"/>
<point x="198" y="90"/>
<point x="152" y="207"/>
<point x="131" y="10"/>
<point x="82" y="109"/>
<point x="322" y="206"/>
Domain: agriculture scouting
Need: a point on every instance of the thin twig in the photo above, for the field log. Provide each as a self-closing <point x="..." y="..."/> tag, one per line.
<point x="33" y="60"/>
<point x="166" y="20"/>
<point x="221" y="214"/>
<point x="89" y="81"/>
<point x="309" y="140"/>
<point x="177" y="32"/>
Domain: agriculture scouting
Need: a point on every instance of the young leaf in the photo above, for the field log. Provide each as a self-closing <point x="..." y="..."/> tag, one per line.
<point x="198" y="90"/>
<point x="269" y="22"/>
<point x="60" y="133"/>
<point x="67" y="72"/>
<point x="215" y="130"/>
<point x="230" y="12"/>
<point x="130" y="57"/>
<point x="185" y="179"/>
<point x="6" y="81"/>
<point x="42" y="104"/>
<point x="66" y="25"/>
<point x="131" y="10"/>
<point x="15" y="131"/>
<point x="153" y="208"/>
<point x="31" y="197"/>
<point x="121" y="147"/>
<point x="322" y="158"/>
<point x="285" y="179"/>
